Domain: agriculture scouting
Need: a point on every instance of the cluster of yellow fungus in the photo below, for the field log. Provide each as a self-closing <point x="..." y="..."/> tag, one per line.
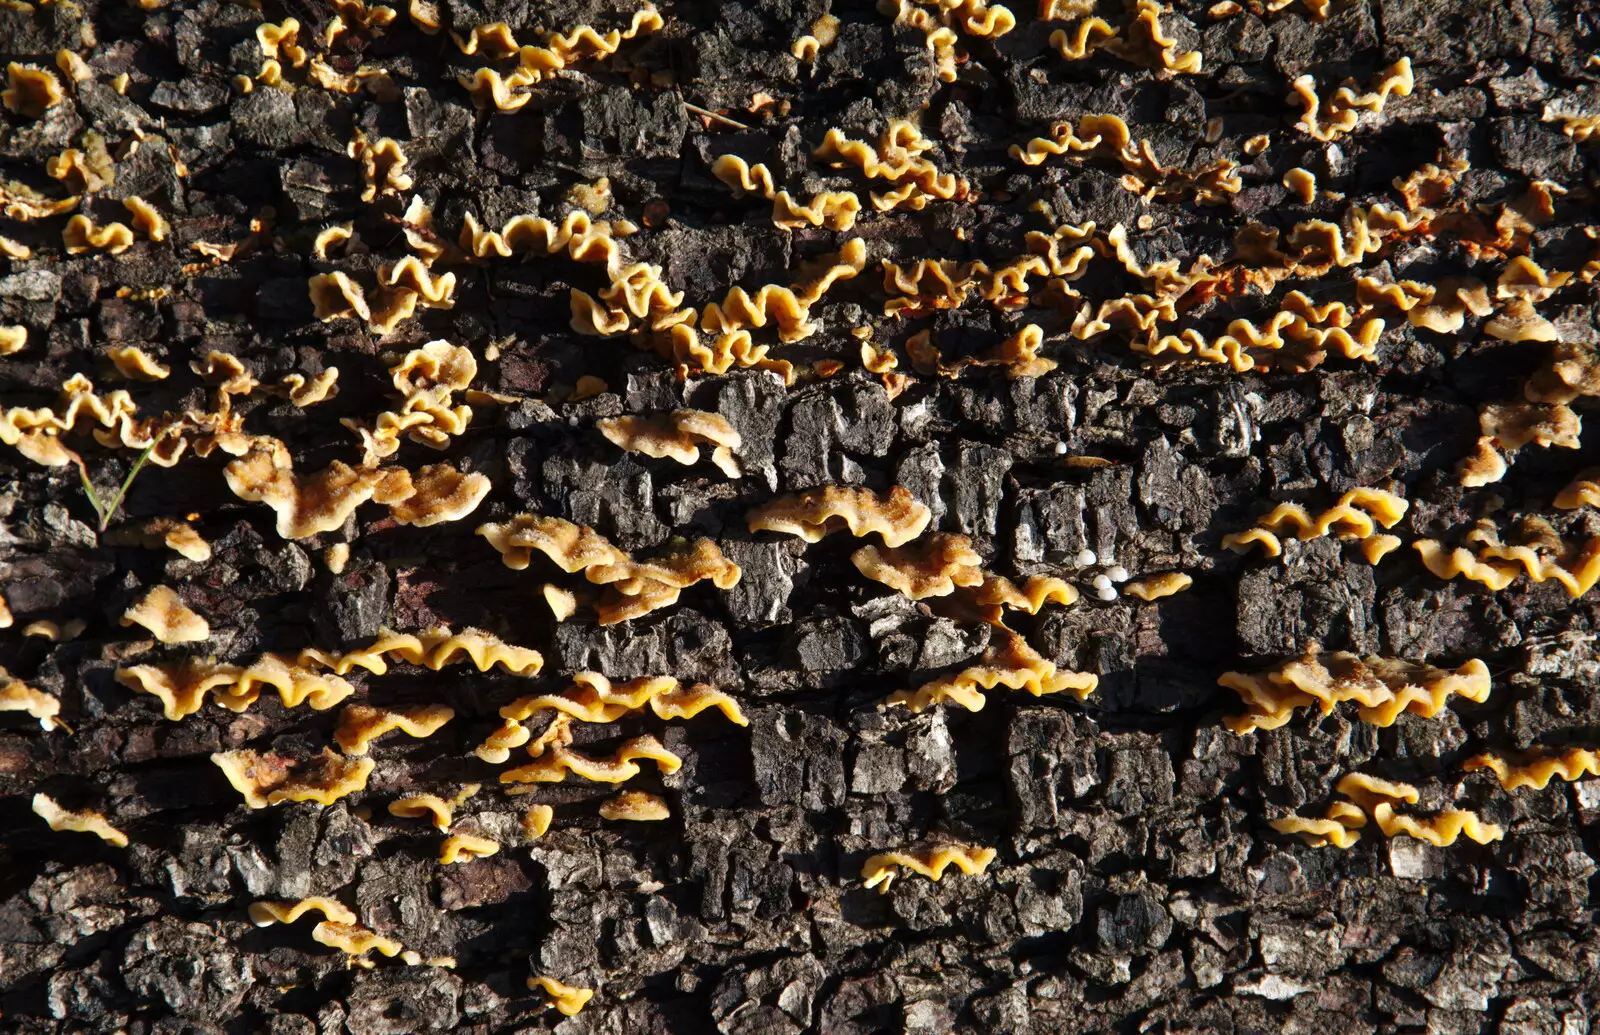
<point x="896" y="517"/>
<point x="496" y="41"/>
<point x="1142" y="43"/>
<point x="1536" y="768"/>
<point x="582" y="237"/>
<point x="17" y="696"/>
<point x="1340" y="114"/>
<point x="898" y="159"/>
<point x="1010" y="662"/>
<point x="1357" y="516"/>
<point x="633" y="588"/>
<point x="80" y="822"/>
<point x="268" y="779"/>
<point x="1541" y="553"/>
<point x="677" y="436"/>
<point x="167" y="617"/>
<point x="879" y="871"/>
<point x="1018" y="355"/>
<point x="426" y="379"/>
<point x="1382" y="688"/>
<point x="360" y="724"/>
<point x="401" y="288"/>
<point x="1377" y="798"/>
<point x="1109" y="136"/>
<point x="836" y="210"/>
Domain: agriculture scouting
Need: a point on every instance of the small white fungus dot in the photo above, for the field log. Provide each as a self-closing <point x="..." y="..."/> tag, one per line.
<point x="1061" y="449"/>
<point x="1087" y="557"/>
<point x="1118" y="573"/>
<point x="1106" y="594"/>
<point x="1101" y="583"/>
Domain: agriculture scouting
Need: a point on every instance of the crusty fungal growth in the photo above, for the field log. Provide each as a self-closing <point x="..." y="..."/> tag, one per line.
<point x="424" y="806"/>
<point x="635" y="807"/>
<point x="146" y="218"/>
<point x="1320" y="833"/>
<point x="360" y="724"/>
<point x="1383" y="688"/>
<point x="563" y="603"/>
<point x="427" y="379"/>
<point x="168" y="618"/>
<point x="835" y="209"/>
<point x="1377" y="797"/>
<point x="81" y="822"/>
<point x="1582" y="491"/>
<point x="465" y="848"/>
<point x="897" y="159"/>
<point x="568" y="999"/>
<point x="31" y="91"/>
<point x="1010" y="662"/>
<point x="303" y="392"/>
<point x="880" y="871"/>
<point x="997" y="594"/>
<point x="268" y="779"/>
<point x="1163" y="585"/>
<point x="84" y="171"/>
<point x="17" y="696"/>
<point x="898" y="517"/>
<point x="265" y="914"/>
<point x="136" y="364"/>
<point x="572" y="547"/>
<point x="1536" y="768"/>
<point x="441" y="493"/>
<point x="677" y="436"/>
<point x="13" y="338"/>
<point x="1108" y="136"/>
<point x="929" y="567"/>
<point x="312" y="503"/>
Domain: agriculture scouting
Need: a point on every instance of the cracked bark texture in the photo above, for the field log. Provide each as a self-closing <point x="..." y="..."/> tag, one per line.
<point x="1137" y="888"/>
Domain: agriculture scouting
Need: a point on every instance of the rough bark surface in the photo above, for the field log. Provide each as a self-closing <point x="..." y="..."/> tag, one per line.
<point x="1137" y="885"/>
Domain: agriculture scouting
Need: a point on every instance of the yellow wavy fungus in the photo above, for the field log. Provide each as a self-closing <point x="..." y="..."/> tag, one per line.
<point x="354" y="940"/>
<point x="556" y="761"/>
<point x="1376" y="547"/>
<point x="267" y="779"/>
<point x="1109" y="136"/>
<point x="837" y="210"/>
<point x="897" y="159"/>
<point x="879" y="871"/>
<point x="182" y="685"/>
<point x="536" y="821"/>
<point x="635" y="807"/>
<point x="360" y="724"/>
<point x="677" y="436"/>
<point x="1355" y="516"/>
<point x="1159" y="586"/>
<point x="582" y="237"/>
<point x="17" y="696"/>
<point x="1018" y="355"/>
<point x="1382" y="688"/>
<point x="167" y="617"/>
<point x="1582" y="491"/>
<point x="930" y="567"/>
<point x="1010" y="662"/>
<point x="896" y="517"/>
<point x="303" y="392"/>
<point x="383" y="165"/>
<point x="1542" y="554"/>
<point x="1440" y="829"/>
<point x="440" y="494"/>
<point x="594" y="698"/>
<point x="991" y="598"/>
<point x="147" y="219"/>
<point x="1537" y="768"/>
<point x="136" y="364"/>
<point x="1341" y="112"/>
<point x="424" y="806"/>
<point x="311" y="503"/>
<point x="432" y="649"/>
<point x="13" y="338"/>
<point x="427" y="379"/>
<point x="85" y="822"/>
<point x="84" y="171"/>
<point x="1507" y="427"/>
<point x="73" y="66"/>
<point x="568" y="999"/>
<point x="1145" y="44"/>
<point x="281" y="42"/>
<point x="466" y="847"/>
<point x="82" y="235"/>
<point x="572" y="547"/>
<point x="1317" y="833"/>
<point x="265" y="914"/>
<point x="30" y="91"/>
